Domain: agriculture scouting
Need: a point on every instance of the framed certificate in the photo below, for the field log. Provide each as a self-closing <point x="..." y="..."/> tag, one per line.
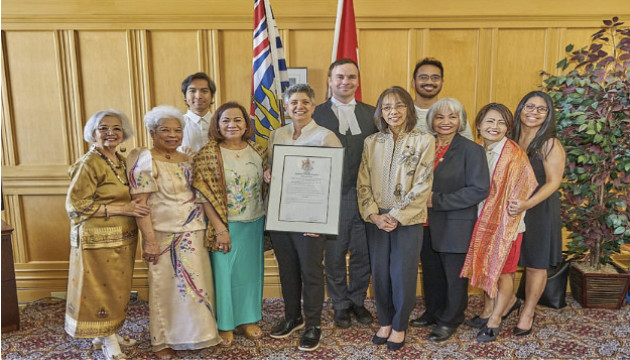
<point x="305" y="189"/>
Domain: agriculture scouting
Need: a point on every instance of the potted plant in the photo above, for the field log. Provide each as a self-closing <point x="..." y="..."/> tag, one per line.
<point x="592" y="98"/>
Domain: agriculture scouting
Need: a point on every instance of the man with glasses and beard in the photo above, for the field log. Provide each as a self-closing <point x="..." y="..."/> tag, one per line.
<point x="428" y="78"/>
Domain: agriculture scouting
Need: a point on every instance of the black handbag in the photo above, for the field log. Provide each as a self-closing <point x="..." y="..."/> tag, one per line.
<point x="555" y="292"/>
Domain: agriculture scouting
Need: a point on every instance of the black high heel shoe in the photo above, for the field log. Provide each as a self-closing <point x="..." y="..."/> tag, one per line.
<point x="517" y="305"/>
<point x="487" y="334"/>
<point x="522" y="332"/>
<point x="394" y="346"/>
<point x="377" y="340"/>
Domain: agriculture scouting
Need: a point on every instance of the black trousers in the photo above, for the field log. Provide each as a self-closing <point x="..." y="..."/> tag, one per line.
<point x="445" y="293"/>
<point x="351" y="289"/>
<point x="301" y="274"/>
<point x="394" y="259"/>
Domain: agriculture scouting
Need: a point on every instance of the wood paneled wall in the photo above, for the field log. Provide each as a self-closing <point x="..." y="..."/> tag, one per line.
<point x="64" y="60"/>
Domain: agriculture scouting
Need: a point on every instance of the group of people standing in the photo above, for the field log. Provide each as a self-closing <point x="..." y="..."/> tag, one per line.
<point x="415" y="186"/>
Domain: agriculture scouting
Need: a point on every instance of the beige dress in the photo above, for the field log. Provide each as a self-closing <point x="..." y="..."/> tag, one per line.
<point x="181" y="291"/>
<point x="102" y="249"/>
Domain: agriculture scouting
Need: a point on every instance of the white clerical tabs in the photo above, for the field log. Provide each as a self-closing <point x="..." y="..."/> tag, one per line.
<point x="305" y="189"/>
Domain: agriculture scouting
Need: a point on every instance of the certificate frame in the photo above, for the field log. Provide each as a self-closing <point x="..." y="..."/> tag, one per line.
<point x="285" y="176"/>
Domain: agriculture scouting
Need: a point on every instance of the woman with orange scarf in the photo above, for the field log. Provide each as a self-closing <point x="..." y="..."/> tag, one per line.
<point x="496" y="240"/>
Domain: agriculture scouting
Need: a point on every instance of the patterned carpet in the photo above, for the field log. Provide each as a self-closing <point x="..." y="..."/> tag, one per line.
<point x="569" y="333"/>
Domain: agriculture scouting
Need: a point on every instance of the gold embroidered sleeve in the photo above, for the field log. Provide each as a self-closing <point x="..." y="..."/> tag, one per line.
<point x="81" y="201"/>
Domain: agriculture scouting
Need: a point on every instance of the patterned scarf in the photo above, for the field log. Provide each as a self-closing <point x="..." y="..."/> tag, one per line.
<point x="495" y="230"/>
<point x="209" y="180"/>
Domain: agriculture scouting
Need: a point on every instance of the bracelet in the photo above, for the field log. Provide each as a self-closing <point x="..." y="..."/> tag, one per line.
<point x="106" y="214"/>
<point x="220" y="233"/>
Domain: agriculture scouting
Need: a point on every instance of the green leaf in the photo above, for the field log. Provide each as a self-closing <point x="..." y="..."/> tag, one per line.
<point x="582" y="127"/>
<point x="580" y="90"/>
<point x="569" y="48"/>
<point x="562" y="63"/>
<point x="598" y="138"/>
<point x="620" y="230"/>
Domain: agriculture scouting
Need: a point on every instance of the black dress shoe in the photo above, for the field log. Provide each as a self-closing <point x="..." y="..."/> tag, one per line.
<point x="442" y="333"/>
<point x="394" y="346"/>
<point x="477" y="322"/>
<point x="310" y="339"/>
<point x="342" y="319"/>
<point x="517" y="305"/>
<point x="285" y="328"/>
<point x="488" y="334"/>
<point x="362" y="314"/>
<point x="424" y="320"/>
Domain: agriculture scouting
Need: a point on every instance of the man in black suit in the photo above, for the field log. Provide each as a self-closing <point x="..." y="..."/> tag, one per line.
<point x="352" y="122"/>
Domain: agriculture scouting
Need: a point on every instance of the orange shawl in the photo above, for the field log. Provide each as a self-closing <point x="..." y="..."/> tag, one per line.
<point x="495" y="230"/>
<point x="209" y="180"/>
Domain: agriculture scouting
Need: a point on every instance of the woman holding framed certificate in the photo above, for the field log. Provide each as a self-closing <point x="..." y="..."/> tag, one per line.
<point x="300" y="255"/>
<point x="393" y="187"/>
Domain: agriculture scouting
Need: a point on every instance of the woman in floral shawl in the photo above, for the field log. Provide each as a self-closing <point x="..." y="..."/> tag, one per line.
<point x="228" y="173"/>
<point x="496" y="240"/>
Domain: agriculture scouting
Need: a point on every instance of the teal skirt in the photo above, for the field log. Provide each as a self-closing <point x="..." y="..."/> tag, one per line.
<point x="238" y="276"/>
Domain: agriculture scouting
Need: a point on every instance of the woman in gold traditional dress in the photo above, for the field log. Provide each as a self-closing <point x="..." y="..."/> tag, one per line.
<point x="181" y="290"/>
<point x="103" y="236"/>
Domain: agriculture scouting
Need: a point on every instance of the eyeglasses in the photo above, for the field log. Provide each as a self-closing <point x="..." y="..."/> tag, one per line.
<point x="539" y="109"/>
<point x="106" y="129"/>
<point x="432" y="77"/>
<point x="389" y="108"/>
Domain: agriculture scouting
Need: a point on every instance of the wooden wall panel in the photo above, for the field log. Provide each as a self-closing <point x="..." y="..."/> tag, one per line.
<point x="235" y="66"/>
<point x="515" y="73"/>
<point x="458" y="51"/>
<point x="384" y="61"/>
<point x="34" y="86"/>
<point x="174" y="55"/>
<point x="313" y="49"/>
<point x="47" y="228"/>
<point x="62" y="62"/>
<point x="105" y="73"/>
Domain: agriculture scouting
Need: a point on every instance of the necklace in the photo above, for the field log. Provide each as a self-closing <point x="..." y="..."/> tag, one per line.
<point x="166" y="155"/>
<point x="236" y="152"/>
<point x="440" y="150"/>
<point x="114" y="166"/>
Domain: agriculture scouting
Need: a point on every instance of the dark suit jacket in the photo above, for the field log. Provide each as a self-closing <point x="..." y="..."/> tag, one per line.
<point x="353" y="144"/>
<point x="460" y="182"/>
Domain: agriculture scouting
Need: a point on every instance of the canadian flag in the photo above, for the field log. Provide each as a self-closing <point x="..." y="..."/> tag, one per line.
<point x="346" y="44"/>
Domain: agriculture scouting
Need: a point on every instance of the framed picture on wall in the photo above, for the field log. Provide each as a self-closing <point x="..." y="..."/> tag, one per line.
<point x="297" y="75"/>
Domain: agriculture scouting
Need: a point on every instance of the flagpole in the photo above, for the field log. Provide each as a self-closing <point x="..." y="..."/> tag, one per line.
<point x="337" y="30"/>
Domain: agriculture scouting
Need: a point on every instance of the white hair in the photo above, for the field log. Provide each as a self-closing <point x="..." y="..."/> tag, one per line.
<point x="152" y="118"/>
<point x="447" y="104"/>
<point x="92" y="124"/>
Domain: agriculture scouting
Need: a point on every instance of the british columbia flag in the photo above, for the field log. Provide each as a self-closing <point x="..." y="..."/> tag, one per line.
<point x="269" y="73"/>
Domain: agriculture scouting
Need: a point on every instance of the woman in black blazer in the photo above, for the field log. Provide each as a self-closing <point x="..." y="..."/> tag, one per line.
<point x="460" y="181"/>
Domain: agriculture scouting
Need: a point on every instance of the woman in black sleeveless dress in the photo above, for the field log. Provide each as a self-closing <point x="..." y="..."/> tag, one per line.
<point x="535" y="132"/>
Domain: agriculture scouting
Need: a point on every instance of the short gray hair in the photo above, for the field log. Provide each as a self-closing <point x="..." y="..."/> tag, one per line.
<point x="152" y="118"/>
<point x="299" y="88"/>
<point x="447" y="104"/>
<point x="92" y="124"/>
